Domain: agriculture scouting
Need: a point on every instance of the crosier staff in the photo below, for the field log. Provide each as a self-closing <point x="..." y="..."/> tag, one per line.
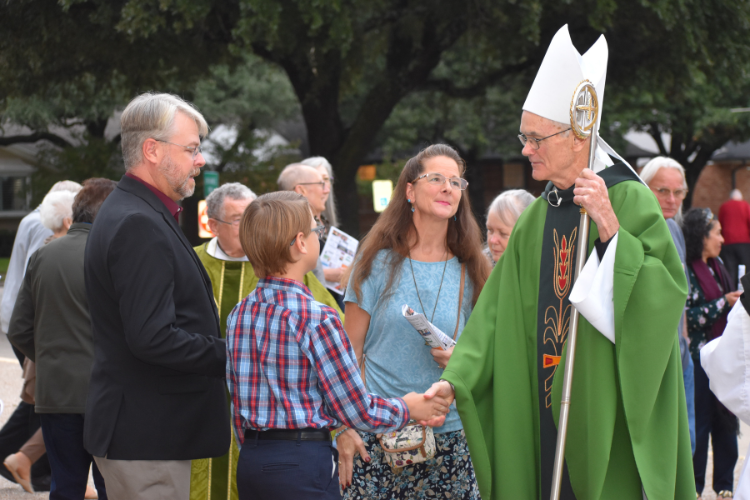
<point x="584" y="111"/>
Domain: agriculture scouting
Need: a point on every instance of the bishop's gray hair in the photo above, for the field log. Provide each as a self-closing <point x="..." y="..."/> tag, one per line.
<point x="231" y="190"/>
<point x="152" y="115"/>
<point x="329" y="213"/>
<point x="562" y="126"/>
<point x="509" y="205"/>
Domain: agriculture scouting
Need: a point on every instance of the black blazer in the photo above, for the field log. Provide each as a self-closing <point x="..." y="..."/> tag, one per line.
<point x="157" y="388"/>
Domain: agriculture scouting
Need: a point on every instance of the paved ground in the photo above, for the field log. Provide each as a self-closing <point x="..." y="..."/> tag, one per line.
<point x="10" y="388"/>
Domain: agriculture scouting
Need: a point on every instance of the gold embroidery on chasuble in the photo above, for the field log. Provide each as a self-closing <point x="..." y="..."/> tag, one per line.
<point x="557" y="317"/>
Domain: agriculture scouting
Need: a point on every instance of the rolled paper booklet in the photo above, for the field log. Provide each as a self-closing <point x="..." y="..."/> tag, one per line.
<point x="432" y="335"/>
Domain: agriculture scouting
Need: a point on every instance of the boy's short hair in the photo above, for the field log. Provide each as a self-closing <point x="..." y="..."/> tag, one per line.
<point x="269" y="225"/>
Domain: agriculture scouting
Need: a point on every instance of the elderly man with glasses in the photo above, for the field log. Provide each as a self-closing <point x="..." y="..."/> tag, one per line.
<point x="666" y="178"/>
<point x="310" y="183"/>
<point x="627" y="433"/>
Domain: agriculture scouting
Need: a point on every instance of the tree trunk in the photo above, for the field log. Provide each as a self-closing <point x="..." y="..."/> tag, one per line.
<point x="693" y="172"/>
<point x="316" y="75"/>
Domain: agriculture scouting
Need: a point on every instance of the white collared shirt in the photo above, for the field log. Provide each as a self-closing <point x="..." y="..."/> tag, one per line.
<point x="215" y="251"/>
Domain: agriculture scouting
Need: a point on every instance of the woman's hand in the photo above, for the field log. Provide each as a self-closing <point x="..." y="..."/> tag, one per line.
<point x="732" y="297"/>
<point x="349" y="444"/>
<point x="442" y="356"/>
<point x="334" y="274"/>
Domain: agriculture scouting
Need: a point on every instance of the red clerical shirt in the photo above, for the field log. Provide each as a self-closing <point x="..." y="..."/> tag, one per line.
<point x="173" y="207"/>
<point x="734" y="216"/>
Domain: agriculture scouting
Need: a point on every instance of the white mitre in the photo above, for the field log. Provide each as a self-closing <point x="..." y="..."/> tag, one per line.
<point x="562" y="70"/>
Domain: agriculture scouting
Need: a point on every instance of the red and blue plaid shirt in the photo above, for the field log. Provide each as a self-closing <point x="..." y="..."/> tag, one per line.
<point x="290" y="366"/>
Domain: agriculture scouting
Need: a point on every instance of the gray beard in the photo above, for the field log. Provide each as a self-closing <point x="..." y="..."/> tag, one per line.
<point x="178" y="185"/>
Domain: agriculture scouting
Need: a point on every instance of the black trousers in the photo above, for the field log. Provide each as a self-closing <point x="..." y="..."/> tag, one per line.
<point x="63" y="437"/>
<point x="734" y="255"/>
<point x="288" y="470"/>
<point x="21" y="425"/>
<point x="711" y="420"/>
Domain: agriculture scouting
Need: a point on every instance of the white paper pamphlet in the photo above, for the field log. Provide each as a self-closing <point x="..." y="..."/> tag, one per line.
<point x="432" y="335"/>
<point x="339" y="250"/>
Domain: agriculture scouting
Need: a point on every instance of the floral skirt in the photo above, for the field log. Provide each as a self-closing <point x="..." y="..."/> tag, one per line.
<point x="449" y="474"/>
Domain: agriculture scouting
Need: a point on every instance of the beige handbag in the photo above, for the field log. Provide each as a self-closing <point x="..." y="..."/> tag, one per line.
<point x="414" y="443"/>
<point x="411" y="445"/>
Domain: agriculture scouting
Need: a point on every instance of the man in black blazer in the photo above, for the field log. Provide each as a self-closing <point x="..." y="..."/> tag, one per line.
<point x="157" y="397"/>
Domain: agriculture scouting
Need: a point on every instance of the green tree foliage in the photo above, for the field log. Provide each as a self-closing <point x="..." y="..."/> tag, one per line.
<point x="688" y="88"/>
<point x="352" y="64"/>
<point x="247" y="101"/>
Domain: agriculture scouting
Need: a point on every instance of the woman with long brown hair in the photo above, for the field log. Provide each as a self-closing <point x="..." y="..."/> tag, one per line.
<point x="423" y="247"/>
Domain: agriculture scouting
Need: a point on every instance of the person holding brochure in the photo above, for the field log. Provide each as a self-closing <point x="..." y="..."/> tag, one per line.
<point x="316" y="187"/>
<point x="291" y="371"/>
<point x="421" y="249"/>
<point x="711" y="297"/>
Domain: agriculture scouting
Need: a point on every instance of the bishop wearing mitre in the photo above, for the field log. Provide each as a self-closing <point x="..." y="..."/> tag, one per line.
<point x="628" y="435"/>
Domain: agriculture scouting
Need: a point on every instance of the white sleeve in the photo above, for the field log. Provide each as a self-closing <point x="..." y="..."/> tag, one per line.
<point x="593" y="292"/>
<point x="726" y="361"/>
<point x="29" y="238"/>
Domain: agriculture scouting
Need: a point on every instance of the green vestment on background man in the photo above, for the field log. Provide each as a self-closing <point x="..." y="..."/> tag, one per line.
<point x="232" y="281"/>
<point x="628" y="429"/>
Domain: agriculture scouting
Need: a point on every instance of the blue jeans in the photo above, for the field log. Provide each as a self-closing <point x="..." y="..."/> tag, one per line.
<point x="70" y="462"/>
<point x="288" y="470"/>
<point x="688" y="377"/>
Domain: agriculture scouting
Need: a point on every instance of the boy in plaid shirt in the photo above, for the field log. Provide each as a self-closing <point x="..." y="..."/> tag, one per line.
<point x="291" y="371"/>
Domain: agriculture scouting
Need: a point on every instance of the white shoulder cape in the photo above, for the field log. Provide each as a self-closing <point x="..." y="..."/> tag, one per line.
<point x="726" y="361"/>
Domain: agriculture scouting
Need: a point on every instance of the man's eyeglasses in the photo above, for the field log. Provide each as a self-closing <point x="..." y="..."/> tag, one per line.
<point x="318" y="230"/>
<point x="679" y="194"/>
<point x="436" y="179"/>
<point x="235" y="222"/>
<point x="194" y="150"/>
<point x="534" y="141"/>
<point x="319" y="183"/>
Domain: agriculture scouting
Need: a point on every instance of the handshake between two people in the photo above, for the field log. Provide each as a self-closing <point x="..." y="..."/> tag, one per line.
<point x="440" y="394"/>
<point x="429" y="408"/>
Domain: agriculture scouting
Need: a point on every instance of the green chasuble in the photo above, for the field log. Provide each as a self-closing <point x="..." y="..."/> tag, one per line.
<point x="216" y="478"/>
<point x="628" y="429"/>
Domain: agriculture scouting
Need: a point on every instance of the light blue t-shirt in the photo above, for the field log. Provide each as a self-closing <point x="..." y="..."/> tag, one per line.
<point x="397" y="361"/>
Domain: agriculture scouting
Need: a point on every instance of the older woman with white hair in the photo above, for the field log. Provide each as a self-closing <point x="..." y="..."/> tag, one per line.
<point x="56" y="212"/>
<point x="502" y="215"/>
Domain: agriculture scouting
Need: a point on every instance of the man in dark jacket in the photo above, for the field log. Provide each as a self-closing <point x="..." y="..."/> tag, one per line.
<point x="50" y="325"/>
<point x="157" y="397"/>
